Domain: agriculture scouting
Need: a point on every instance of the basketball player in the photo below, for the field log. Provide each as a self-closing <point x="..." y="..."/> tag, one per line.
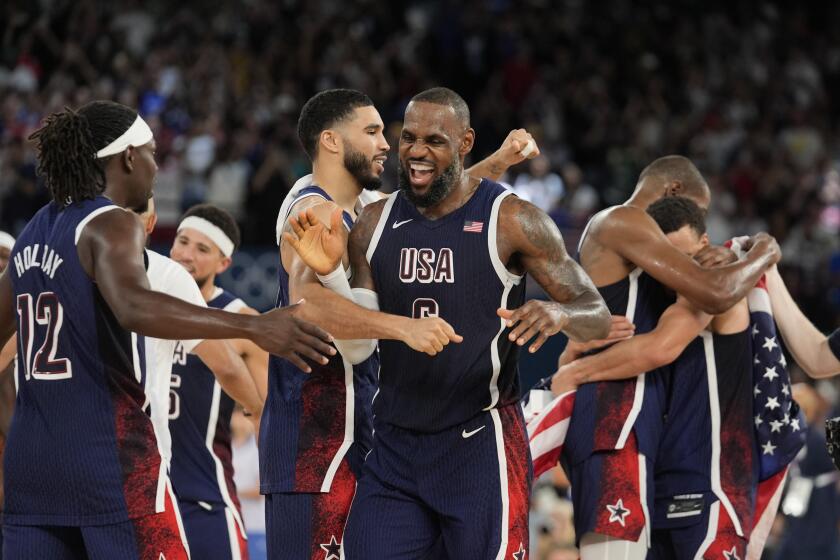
<point x="708" y="454"/>
<point x="453" y="246"/>
<point x="341" y="131"/>
<point x="200" y="415"/>
<point x="615" y="428"/>
<point x="87" y="479"/>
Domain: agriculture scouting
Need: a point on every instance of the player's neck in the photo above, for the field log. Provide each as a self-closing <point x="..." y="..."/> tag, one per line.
<point x="339" y="184"/>
<point x="115" y="194"/>
<point x="460" y="195"/>
<point x="208" y="289"/>
<point x="640" y="200"/>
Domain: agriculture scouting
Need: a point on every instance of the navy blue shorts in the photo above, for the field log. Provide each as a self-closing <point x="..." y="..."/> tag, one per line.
<point x="310" y="525"/>
<point x="465" y="490"/>
<point x="711" y="535"/>
<point x="216" y="533"/>
<point x="612" y="492"/>
<point x="145" y="538"/>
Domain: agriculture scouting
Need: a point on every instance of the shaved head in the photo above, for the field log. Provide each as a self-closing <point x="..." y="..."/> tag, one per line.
<point x="677" y="171"/>
<point x="448" y="98"/>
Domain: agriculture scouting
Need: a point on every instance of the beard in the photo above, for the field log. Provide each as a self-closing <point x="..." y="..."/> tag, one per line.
<point x="359" y="166"/>
<point x="438" y="189"/>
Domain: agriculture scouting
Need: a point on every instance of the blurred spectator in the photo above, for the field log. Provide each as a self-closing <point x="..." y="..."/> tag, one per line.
<point x="539" y="185"/>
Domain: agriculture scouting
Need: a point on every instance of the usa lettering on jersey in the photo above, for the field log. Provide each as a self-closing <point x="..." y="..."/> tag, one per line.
<point x="427" y="266"/>
<point x="28" y="258"/>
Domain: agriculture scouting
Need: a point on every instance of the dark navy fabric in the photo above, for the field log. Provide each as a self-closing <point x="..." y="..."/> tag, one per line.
<point x="80" y="449"/>
<point x="445" y="267"/>
<point x="834" y="343"/>
<point x="199" y="399"/>
<point x="309" y="419"/>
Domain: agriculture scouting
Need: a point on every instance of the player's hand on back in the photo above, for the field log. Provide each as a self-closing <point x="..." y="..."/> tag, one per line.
<point x="515" y="149"/>
<point x="319" y="246"/>
<point x="430" y="335"/>
<point x="713" y="255"/>
<point x="286" y="335"/>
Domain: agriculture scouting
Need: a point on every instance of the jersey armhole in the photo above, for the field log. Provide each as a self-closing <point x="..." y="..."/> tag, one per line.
<point x="86" y="220"/>
<point x="380" y="225"/>
<point x="506" y="276"/>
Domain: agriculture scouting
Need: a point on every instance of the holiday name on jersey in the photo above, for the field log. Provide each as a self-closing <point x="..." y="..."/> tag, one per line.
<point x="427" y="266"/>
<point x="28" y="258"/>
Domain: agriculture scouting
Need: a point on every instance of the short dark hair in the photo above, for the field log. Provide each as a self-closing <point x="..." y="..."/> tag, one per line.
<point x="672" y="213"/>
<point x="325" y="110"/>
<point x="219" y="218"/>
<point x="67" y="144"/>
<point x="447" y="97"/>
<point x="678" y="168"/>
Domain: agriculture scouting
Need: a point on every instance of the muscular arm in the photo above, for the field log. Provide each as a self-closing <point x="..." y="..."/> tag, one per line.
<point x="231" y="372"/>
<point x="110" y="249"/>
<point x="340" y="316"/>
<point x="677" y="327"/>
<point x="808" y="345"/>
<point x="634" y="235"/>
<point x="528" y="235"/>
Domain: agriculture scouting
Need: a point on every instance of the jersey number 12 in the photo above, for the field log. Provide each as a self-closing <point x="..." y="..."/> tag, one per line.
<point x="48" y="313"/>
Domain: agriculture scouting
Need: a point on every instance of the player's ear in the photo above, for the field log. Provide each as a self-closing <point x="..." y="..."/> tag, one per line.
<point x="224" y="264"/>
<point x="467" y="143"/>
<point x="330" y="140"/>
<point x="704" y="239"/>
<point x="127" y="159"/>
<point x="151" y="221"/>
<point x="673" y="188"/>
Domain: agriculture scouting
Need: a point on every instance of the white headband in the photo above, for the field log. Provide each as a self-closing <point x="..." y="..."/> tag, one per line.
<point x="6" y="240"/>
<point x="212" y="231"/>
<point x="137" y="134"/>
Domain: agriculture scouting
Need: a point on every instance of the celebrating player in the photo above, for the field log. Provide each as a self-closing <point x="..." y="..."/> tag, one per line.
<point x="88" y="479"/>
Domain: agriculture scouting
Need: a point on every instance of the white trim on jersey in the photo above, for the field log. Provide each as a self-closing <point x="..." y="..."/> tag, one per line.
<point x="208" y="443"/>
<point x="135" y="358"/>
<point x="81" y="225"/>
<point x="643" y="496"/>
<point x="163" y="479"/>
<point x="503" y="482"/>
<point x="714" y="409"/>
<point x="508" y="280"/>
<point x="711" y="532"/>
<point x="233" y="535"/>
<point x="380" y="225"/>
<point x="349" y="417"/>
<point x="639" y="396"/>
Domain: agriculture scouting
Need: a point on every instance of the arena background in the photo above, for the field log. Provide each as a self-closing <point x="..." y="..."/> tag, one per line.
<point x="748" y="90"/>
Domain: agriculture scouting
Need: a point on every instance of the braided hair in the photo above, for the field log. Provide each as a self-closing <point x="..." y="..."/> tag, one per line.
<point x="67" y="144"/>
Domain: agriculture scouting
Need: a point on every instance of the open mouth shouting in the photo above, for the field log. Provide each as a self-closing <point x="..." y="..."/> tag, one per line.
<point x="420" y="173"/>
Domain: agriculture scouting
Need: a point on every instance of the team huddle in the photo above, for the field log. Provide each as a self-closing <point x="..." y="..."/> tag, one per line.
<point x="385" y="385"/>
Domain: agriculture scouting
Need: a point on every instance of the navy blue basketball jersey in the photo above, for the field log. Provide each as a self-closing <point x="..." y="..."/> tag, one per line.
<point x="312" y="421"/>
<point x="199" y="422"/>
<point x="448" y="268"/>
<point x="80" y="450"/>
<point x="605" y="412"/>
<point x="709" y="446"/>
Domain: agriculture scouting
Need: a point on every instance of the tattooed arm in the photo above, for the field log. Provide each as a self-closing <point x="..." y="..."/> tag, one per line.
<point x="529" y="241"/>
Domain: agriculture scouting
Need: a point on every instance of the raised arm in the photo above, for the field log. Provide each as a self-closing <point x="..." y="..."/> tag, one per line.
<point x="634" y="235"/>
<point x="111" y="248"/>
<point x="311" y="247"/>
<point x="529" y="239"/>
<point x="809" y="346"/>
<point x="677" y="327"/>
<point x="513" y="150"/>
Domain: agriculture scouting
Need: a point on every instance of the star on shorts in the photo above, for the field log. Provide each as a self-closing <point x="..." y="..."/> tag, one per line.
<point x="332" y="548"/>
<point x="618" y="512"/>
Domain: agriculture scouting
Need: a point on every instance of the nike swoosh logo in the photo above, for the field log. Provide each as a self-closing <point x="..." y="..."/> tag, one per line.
<point x="465" y="434"/>
<point x="398" y="224"/>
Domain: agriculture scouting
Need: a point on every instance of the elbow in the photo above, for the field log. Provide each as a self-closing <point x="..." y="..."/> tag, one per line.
<point x="131" y="317"/>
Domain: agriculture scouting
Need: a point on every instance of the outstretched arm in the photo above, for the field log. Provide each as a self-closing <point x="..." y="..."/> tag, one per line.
<point x="526" y="234"/>
<point x="513" y="150"/>
<point x="677" y="327"/>
<point x="809" y="346"/>
<point x="634" y="235"/>
<point x="309" y="246"/>
<point x="110" y="249"/>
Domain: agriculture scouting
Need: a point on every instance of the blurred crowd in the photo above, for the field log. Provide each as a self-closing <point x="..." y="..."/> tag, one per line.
<point x="741" y="88"/>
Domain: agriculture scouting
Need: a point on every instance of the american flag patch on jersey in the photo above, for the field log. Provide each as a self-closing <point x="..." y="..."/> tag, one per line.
<point x="475" y="227"/>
